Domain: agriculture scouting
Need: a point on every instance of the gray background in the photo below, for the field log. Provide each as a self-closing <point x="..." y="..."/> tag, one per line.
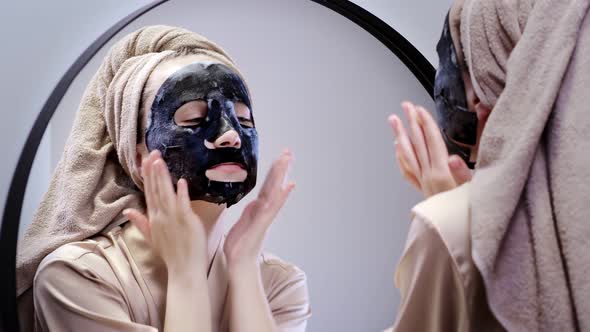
<point x="321" y="86"/>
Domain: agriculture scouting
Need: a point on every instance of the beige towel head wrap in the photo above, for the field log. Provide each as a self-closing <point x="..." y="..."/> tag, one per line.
<point x="530" y="211"/>
<point x="96" y="176"/>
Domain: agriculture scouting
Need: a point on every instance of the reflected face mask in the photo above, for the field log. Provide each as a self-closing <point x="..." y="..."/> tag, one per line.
<point x="457" y="123"/>
<point x="183" y="147"/>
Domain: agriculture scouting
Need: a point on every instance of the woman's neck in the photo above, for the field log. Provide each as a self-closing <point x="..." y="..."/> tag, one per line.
<point x="211" y="216"/>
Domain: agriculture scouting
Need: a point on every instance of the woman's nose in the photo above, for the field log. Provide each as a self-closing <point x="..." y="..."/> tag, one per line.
<point x="229" y="139"/>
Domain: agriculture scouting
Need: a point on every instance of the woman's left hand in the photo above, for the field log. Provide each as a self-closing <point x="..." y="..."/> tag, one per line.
<point x="244" y="241"/>
<point x="422" y="154"/>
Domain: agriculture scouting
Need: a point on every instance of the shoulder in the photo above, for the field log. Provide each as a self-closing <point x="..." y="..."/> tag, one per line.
<point x="81" y="261"/>
<point x="283" y="281"/>
<point x="445" y="208"/>
<point x="285" y="286"/>
<point x="440" y="231"/>
<point x="276" y="270"/>
<point x="447" y="214"/>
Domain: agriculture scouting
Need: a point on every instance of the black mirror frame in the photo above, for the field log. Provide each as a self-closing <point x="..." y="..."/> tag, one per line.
<point x="402" y="48"/>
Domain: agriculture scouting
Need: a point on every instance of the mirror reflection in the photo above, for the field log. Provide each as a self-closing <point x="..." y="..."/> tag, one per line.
<point x="277" y="124"/>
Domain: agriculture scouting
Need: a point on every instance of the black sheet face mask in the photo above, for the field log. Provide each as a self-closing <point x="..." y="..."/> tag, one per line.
<point x="457" y="123"/>
<point x="183" y="147"/>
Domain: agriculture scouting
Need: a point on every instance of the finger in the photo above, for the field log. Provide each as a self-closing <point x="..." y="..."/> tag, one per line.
<point x="265" y="212"/>
<point x="249" y="220"/>
<point x="145" y="169"/>
<point x="417" y="137"/>
<point x="283" y="196"/>
<point x="140" y="221"/>
<point x="276" y="175"/>
<point x="407" y="173"/>
<point x="252" y="209"/>
<point x="461" y="173"/>
<point x="165" y="188"/>
<point x="268" y="211"/>
<point x="149" y="186"/>
<point x="435" y="144"/>
<point x="156" y="202"/>
<point x="182" y="195"/>
<point x="404" y="143"/>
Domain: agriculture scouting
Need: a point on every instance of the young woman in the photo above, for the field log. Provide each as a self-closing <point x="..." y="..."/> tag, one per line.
<point x="501" y="250"/>
<point x="165" y="138"/>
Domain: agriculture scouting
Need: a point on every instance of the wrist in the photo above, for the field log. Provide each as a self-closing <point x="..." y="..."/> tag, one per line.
<point x="187" y="271"/>
<point x="243" y="270"/>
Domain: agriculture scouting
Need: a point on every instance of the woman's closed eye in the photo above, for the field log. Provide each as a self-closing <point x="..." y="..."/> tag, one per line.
<point x="245" y="122"/>
<point x="191" y="114"/>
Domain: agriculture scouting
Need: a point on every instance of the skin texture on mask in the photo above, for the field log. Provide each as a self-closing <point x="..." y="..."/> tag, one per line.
<point x="457" y="123"/>
<point x="187" y="149"/>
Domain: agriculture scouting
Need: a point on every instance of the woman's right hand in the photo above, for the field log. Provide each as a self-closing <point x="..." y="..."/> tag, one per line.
<point x="174" y="231"/>
<point x="422" y="155"/>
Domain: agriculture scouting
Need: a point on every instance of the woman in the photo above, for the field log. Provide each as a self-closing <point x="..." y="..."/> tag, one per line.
<point x="503" y="250"/>
<point x="167" y="109"/>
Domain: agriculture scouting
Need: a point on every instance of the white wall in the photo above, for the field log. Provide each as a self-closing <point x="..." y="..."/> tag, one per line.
<point x="346" y="222"/>
<point x="419" y="21"/>
<point x="40" y="40"/>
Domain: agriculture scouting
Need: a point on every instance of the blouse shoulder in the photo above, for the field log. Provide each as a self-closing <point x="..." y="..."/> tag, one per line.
<point x="448" y="211"/>
<point x="84" y="259"/>
<point x="277" y="274"/>
<point x="286" y="289"/>
<point x="447" y="214"/>
<point x="272" y="264"/>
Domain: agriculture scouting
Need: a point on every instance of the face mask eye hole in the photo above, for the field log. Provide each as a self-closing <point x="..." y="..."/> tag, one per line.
<point x="244" y="115"/>
<point x="246" y="123"/>
<point x="191" y="114"/>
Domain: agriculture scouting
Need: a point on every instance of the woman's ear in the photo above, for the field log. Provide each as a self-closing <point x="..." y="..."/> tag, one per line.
<point x="473" y="102"/>
<point x="482" y="111"/>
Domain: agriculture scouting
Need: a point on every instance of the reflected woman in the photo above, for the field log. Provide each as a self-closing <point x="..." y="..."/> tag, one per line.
<point x="129" y="236"/>
<point x="501" y="251"/>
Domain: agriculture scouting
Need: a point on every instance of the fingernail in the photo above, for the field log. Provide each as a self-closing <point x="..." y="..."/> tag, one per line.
<point x="392" y="119"/>
<point x="126" y="211"/>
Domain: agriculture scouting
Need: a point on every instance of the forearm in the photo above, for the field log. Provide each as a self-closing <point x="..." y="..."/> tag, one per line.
<point x="249" y="307"/>
<point x="187" y="302"/>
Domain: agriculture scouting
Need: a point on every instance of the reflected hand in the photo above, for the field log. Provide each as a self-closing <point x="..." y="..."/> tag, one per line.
<point x="422" y="156"/>
<point x="174" y="231"/>
<point x="244" y="241"/>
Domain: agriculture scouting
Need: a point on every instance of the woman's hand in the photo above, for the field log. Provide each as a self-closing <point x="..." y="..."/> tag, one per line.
<point x="244" y="241"/>
<point x="175" y="232"/>
<point x="249" y="308"/>
<point x="422" y="156"/>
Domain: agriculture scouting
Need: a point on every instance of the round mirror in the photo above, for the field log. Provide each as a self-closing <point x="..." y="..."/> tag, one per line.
<point x="324" y="76"/>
